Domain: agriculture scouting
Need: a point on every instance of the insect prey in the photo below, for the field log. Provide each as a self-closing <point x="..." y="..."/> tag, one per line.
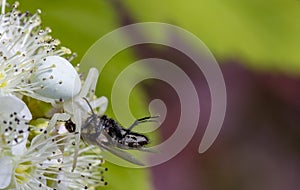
<point x="109" y="135"/>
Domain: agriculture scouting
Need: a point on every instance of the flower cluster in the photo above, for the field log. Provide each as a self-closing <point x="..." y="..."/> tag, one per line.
<point x="36" y="150"/>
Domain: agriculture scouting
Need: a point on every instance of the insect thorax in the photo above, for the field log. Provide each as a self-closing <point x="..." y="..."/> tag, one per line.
<point x="91" y="129"/>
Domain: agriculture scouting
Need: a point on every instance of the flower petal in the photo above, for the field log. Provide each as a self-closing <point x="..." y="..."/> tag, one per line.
<point x="10" y="104"/>
<point x="5" y="172"/>
<point x="20" y="148"/>
<point x="14" y="115"/>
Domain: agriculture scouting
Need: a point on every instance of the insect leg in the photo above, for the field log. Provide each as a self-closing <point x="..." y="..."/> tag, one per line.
<point x="142" y="120"/>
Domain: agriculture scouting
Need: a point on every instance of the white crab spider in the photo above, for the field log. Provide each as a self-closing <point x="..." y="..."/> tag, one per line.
<point x="77" y="110"/>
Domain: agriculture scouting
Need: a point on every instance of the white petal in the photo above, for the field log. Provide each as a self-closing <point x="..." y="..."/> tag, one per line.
<point x="14" y="114"/>
<point x="10" y="104"/>
<point x="20" y="148"/>
<point x="5" y="171"/>
<point x="58" y="77"/>
<point x="64" y="181"/>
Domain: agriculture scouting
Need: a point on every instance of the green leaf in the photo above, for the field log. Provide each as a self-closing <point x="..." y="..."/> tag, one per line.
<point x="264" y="34"/>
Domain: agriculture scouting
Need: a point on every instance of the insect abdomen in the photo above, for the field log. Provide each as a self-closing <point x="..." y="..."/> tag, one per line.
<point x="135" y="140"/>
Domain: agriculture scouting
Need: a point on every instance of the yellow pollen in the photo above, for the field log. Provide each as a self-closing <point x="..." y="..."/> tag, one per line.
<point x="2" y="83"/>
<point x="23" y="172"/>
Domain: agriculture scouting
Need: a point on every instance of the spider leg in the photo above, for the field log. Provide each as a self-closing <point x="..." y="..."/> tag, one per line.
<point x="87" y="93"/>
<point x="78" y="123"/>
<point x="57" y="117"/>
<point x="79" y="109"/>
<point x="51" y="127"/>
<point x="101" y="103"/>
<point x="90" y="83"/>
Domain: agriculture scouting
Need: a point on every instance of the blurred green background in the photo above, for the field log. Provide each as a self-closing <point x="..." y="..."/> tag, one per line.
<point x="253" y="40"/>
<point x="264" y="33"/>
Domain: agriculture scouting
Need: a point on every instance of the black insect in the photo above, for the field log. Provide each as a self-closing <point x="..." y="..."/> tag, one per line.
<point x="121" y="137"/>
<point x="110" y="135"/>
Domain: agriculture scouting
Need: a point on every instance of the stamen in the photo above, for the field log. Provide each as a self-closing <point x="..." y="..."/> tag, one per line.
<point x="3" y="7"/>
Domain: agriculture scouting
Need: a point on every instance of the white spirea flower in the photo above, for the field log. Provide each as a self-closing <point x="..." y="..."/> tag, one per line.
<point x="5" y="172"/>
<point x="31" y="64"/>
<point x="87" y="174"/>
<point x="24" y="47"/>
<point x="47" y="165"/>
<point x="14" y="117"/>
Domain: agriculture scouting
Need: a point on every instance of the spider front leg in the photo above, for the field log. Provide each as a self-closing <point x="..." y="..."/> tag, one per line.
<point x="57" y="117"/>
<point x="79" y="109"/>
<point x="65" y="117"/>
<point x="88" y="89"/>
<point x="78" y="123"/>
<point x="51" y="128"/>
<point x="100" y="103"/>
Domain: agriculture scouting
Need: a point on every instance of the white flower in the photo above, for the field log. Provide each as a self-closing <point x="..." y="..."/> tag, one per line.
<point x="14" y="129"/>
<point x="28" y="51"/>
<point x="31" y="65"/>
<point x="88" y="173"/>
<point x="47" y="165"/>
<point x="5" y="172"/>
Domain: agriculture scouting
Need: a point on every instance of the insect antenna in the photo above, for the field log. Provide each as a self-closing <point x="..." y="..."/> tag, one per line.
<point x="94" y="116"/>
<point x="89" y="105"/>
